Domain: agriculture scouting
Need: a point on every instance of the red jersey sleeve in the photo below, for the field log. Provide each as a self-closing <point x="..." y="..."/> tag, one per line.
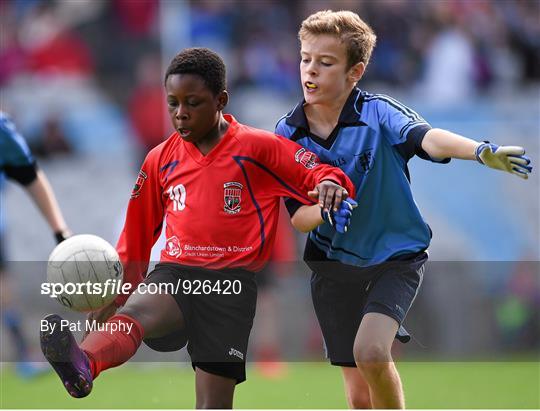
<point x="299" y="168"/>
<point x="142" y="228"/>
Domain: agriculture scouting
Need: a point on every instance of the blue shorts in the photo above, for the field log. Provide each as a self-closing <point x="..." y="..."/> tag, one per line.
<point x="342" y="301"/>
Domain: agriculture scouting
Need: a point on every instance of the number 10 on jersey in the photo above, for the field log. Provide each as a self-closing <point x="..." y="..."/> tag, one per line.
<point x="177" y="194"/>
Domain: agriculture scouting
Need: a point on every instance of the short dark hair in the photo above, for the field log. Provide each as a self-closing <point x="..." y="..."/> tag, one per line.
<point x="202" y="62"/>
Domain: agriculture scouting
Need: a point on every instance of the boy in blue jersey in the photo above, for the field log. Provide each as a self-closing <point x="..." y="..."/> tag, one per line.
<point x="365" y="281"/>
<point x="18" y="164"/>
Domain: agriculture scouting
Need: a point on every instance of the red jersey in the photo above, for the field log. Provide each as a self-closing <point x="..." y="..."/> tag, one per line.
<point x="221" y="210"/>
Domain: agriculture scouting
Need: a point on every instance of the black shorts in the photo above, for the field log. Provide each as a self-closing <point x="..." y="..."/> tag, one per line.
<point x="218" y="324"/>
<point x="340" y="304"/>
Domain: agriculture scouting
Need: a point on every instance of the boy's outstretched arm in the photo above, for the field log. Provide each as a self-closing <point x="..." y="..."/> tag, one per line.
<point x="440" y="143"/>
<point x="41" y="192"/>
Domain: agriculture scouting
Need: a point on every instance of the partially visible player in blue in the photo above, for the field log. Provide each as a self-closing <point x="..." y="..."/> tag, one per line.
<point x="365" y="281"/>
<point x="17" y="163"/>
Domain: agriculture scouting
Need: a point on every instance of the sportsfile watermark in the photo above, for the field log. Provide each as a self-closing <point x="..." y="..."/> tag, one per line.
<point x="464" y="311"/>
<point x="85" y="326"/>
<point x="116" y="287"/>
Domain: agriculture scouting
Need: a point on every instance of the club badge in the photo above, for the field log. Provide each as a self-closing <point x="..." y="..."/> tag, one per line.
<point x="232" y="195"/>
<point x="308" y="159"/>
<point x="141" y="178"/>
<point x="364" y="161"/>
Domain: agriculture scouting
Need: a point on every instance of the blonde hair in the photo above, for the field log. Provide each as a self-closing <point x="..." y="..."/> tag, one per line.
<point x="354" y="32"/>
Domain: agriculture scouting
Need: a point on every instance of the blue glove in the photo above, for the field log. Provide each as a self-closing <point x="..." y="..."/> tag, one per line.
<point x="507" y="158"/>
<point x="340" y="219"/>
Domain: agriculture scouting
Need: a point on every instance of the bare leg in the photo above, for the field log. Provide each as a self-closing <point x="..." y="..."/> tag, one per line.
<point x="77" y="366"/>
<point x="373" y="357"/>
<point x="213" y="391"/>
<point x="356" y="388"/>
<point x="158" y="314"/>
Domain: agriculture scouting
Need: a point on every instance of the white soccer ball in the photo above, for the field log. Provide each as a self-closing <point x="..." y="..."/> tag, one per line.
<point x="84" y="273"/>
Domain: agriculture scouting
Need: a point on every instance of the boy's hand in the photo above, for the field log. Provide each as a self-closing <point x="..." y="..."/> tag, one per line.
<point x="340" y="219"/>
<point x="329" y="195"/>
<point x="507" y="158"/>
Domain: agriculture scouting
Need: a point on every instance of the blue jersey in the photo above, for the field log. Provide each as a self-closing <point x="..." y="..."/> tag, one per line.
<point x="16" y="160"/>
<point x="374" y="139"/>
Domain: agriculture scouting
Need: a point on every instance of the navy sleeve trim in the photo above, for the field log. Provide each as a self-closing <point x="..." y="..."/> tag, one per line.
<point x="413" y="145"/>
<point x="292" y="206"/>
<point x="25" y="175"/>
<point x="415" y="136"/>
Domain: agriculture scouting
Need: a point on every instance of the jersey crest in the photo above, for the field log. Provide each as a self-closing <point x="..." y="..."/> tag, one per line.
<point x="364" y="161"/>
<point x="141" y="178"/>
<point x="232" y="195"/>
<point x="306" y="158"/>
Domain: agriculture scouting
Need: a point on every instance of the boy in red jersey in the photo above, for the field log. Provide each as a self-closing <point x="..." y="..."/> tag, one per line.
<point x="218" y="183"/>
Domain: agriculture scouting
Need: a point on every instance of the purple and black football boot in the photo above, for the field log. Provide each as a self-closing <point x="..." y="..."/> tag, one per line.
<point x="68" y="360"/>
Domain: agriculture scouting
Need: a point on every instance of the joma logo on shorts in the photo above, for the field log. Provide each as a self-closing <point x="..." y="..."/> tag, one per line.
<point x="236" y="353"/>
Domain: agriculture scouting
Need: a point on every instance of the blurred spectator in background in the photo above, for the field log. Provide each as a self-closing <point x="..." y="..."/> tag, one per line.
<point x="212" y="24"/>
<point x="137" y="18"/>
<point x="449" y="61"/>
<point x="53" y="140"/>
<point x="517" y="311"/>
<point x="458" y="48"/>
<point x="53" y="70"/>
<point x="52" y="47"/>
<point x="147" y="109"/>
<point x="12" y="54"/>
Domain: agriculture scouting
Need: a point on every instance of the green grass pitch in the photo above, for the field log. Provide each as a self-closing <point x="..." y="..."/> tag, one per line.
<point x="305" y="385"/>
